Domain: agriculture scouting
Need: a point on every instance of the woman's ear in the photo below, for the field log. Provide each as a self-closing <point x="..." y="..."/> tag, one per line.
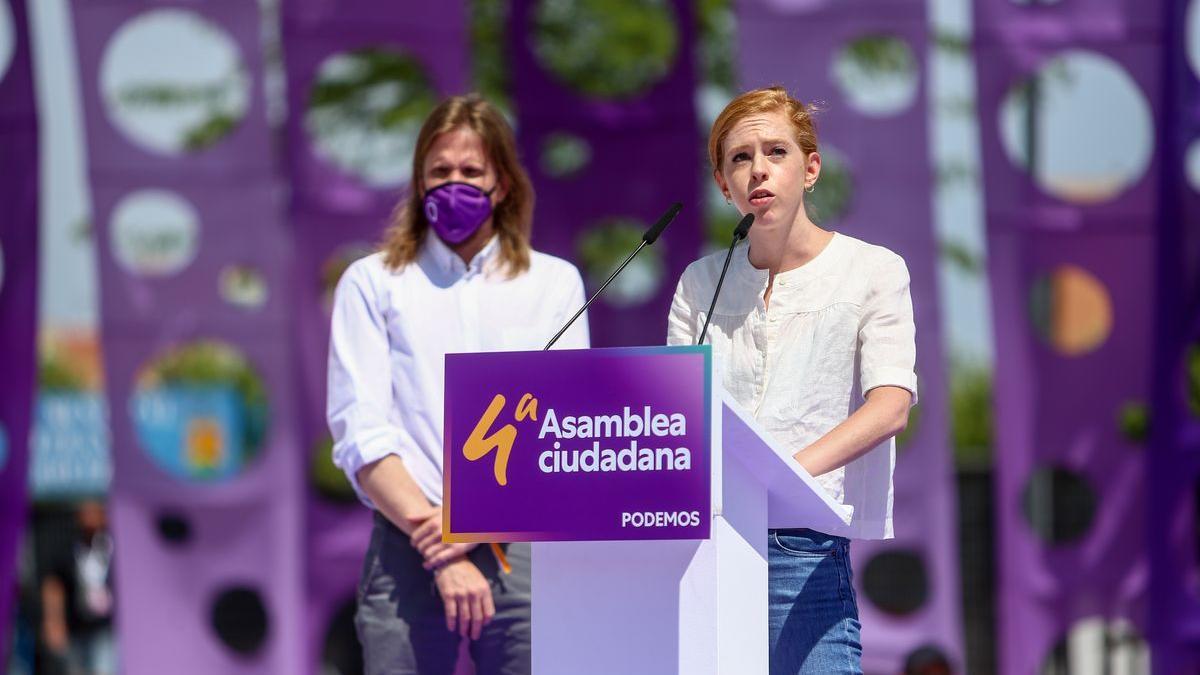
<point x="721" y="183"/>
<point x="813" y="170"/>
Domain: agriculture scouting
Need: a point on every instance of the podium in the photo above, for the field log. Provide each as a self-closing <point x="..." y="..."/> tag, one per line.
<point x="647" y="493"/>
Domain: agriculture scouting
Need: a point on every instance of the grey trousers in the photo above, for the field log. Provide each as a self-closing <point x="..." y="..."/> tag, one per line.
<point x="401" y="621"/>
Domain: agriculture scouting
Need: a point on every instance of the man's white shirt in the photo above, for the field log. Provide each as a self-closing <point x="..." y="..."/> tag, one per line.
<point x="391" y="330"/>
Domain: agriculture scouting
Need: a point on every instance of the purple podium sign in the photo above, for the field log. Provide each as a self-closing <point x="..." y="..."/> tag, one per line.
<point x="578" y="445"/>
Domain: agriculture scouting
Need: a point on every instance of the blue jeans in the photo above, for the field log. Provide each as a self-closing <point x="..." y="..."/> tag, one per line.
<point x="812" y="611"/>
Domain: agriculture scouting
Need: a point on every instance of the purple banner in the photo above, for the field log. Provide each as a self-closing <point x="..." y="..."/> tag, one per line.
<point x="1173" y="458"/>
<point x="360" y="81"/>
<point x="229" y="267"/>
<point x="580" y="445"/>
<point x="1021" y="202"/>
<point x="1112" y="21"/>
<point x="1065" y="558"/>
<point x="1071" y="238"/>
<point x="582" y="120"/>
<point x="197" y="110"/>
<point x="864" y="64"/>
<point x="361" y="76"/>
<point x="207" y="493"/>
<point x="18" y="290"/>
<point x="233" y="557"/>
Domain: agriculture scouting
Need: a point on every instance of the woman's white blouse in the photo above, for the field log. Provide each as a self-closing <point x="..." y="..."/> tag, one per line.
<point x="392" y="329"/>
<point x="837" y="327"/>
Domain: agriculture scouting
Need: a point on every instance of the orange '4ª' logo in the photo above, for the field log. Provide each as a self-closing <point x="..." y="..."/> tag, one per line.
<point x="479" y="445"/>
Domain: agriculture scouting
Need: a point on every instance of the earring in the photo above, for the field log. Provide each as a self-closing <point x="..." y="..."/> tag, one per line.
<point x="728" y="200"/>
<point x="810" y="188"/>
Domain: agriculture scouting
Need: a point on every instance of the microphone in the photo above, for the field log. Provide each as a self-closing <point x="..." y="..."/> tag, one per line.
<point x="739" y="233"/>
<point x="648" y="238"/>
<point x="651" y="234"/>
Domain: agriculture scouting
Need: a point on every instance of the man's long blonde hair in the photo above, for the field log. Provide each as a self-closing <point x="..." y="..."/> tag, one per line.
<point x="512" y="216"/>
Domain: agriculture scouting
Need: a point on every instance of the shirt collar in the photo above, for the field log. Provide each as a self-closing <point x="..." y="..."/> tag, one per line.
<point x="758" y="278"/>
<point x="747" y="273"/>
<point x="820" y="263"/>
<point x="447" y="260"/>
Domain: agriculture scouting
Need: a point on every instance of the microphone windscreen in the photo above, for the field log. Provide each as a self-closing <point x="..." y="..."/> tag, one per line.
<point x="652" y="234"/>
<point x="743" y="227"/>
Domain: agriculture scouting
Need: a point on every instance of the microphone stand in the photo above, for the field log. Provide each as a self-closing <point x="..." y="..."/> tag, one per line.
<point x="594" y="296"/>
<point x="648" y="238"/>
<point x="739" y="233"/>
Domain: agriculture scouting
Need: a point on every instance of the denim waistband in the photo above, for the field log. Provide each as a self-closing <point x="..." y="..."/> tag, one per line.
<point x="804" y="532"/>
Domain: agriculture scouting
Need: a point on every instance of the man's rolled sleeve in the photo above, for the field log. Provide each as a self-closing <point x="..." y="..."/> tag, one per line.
<point x="359" y="398"/>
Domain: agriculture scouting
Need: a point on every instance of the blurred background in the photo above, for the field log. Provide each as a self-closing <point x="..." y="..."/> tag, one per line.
<point x="185" y="181"/>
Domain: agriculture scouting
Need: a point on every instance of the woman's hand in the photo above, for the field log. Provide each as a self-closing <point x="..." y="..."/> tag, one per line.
<point x="467" y="597"/>
<point x="427" y="539"/>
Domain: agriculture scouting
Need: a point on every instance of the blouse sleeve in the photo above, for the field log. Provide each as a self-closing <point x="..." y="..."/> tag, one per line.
<point x="359" y="398"/>
<point x="886" y="334"/>
<point x="681" y="321"/>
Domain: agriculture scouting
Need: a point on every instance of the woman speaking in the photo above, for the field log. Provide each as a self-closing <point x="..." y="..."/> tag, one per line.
<point x="813" y="334"/>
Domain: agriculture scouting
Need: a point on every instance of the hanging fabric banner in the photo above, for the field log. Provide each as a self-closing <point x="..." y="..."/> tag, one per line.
<point x="18" y="286"/>
<point x="1067" y="101"/>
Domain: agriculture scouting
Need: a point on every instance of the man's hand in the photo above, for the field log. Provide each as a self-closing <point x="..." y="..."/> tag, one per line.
<point x="427" y="539"/>
<point x="467" y="597"/>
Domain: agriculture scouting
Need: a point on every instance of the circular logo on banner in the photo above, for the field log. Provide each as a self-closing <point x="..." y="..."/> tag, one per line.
<point x="1118" y="634"/>
<point x="365" y="110"/>
<point x="877" y="75"/>
<point x="1193" y="36"/>
<point x="201" y="412"/>
<point x="240" y="619"/>
<point x="1080" y="126"/>
<point x="564" y="155"/>
<point x="604" y="245"/>
<point x="243" y="286"/>
<point x="1192" y="164"/>
<point x="606" y="49"/>
<point x="8" y="39"/>
<point x="174" y="82"/>
<point x="1058" y="504"/>
<point x="154" y="233"/>
<point x="1071" y="310"/>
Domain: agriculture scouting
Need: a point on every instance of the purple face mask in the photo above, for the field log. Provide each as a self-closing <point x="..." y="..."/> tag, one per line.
<point x="456" y="210"/>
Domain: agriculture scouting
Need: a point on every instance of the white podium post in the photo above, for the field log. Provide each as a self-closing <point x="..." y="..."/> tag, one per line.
<point x="687" y="607"/>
